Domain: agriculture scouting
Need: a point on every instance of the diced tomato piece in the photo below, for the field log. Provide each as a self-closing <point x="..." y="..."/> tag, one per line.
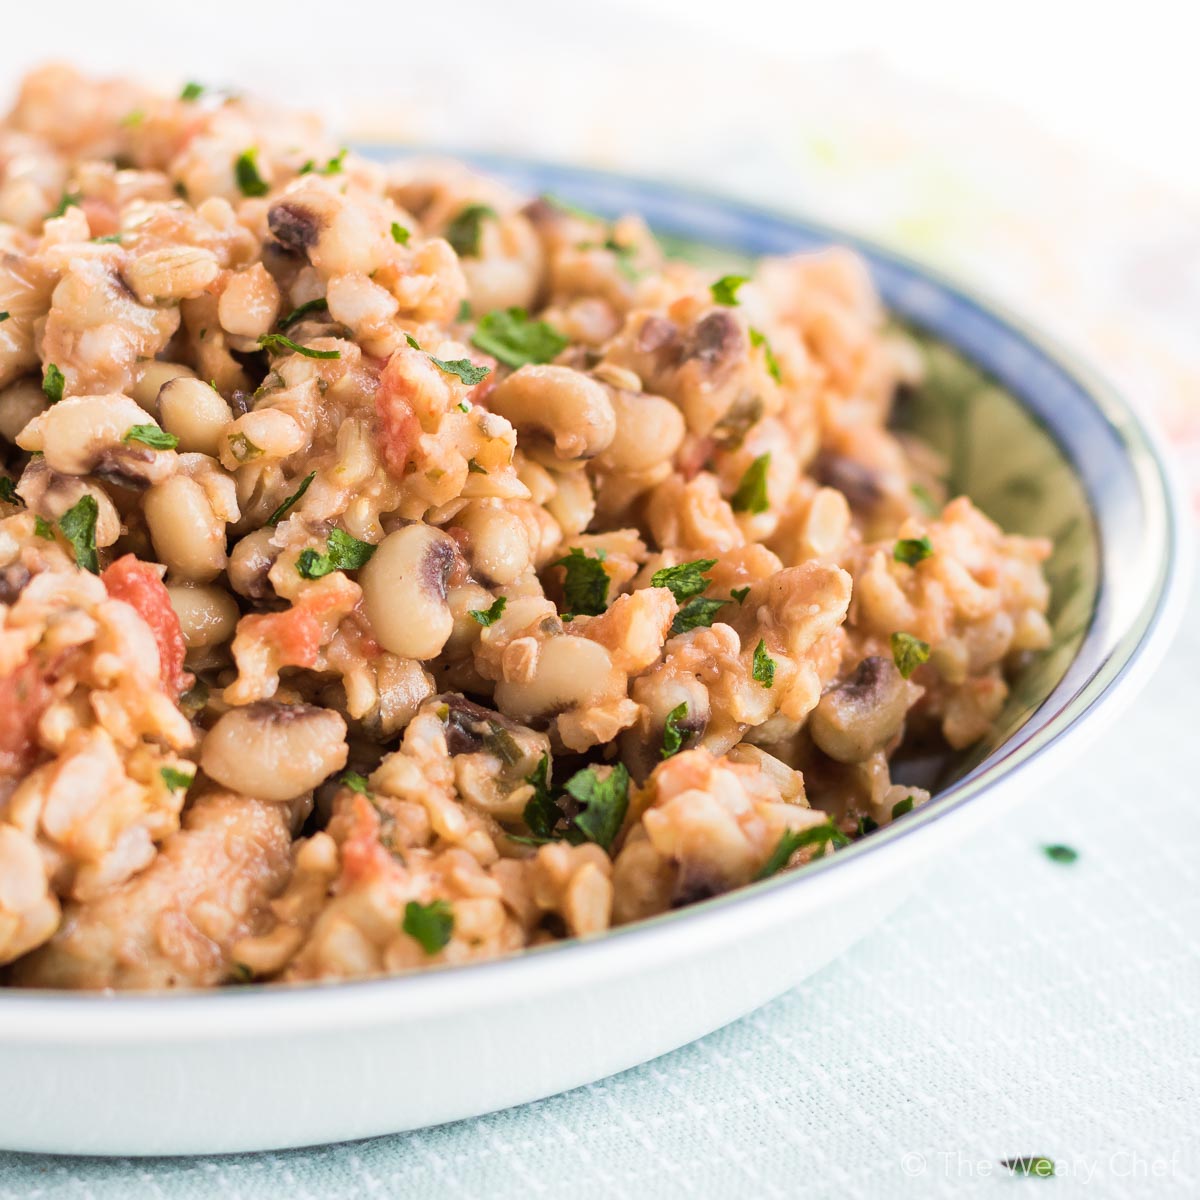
<point x="23" y="697"/>
<point x="362" y="856"/>
<point x="399" y="428"/>
<point x="138" y="584"/>
<point x="295" y="635"/>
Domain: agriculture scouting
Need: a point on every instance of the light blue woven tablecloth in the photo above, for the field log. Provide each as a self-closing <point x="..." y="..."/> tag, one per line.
<point x="1012" y="1007"/>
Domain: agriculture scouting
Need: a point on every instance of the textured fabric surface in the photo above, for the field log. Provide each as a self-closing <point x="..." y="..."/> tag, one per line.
<point x="1014" y="1006"/>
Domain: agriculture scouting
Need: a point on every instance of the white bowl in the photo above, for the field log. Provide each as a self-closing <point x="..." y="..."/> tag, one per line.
<point x="270" y="1067"/>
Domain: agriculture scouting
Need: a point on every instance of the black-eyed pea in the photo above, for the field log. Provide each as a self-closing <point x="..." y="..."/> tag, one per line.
<point x="187" y="535"/>
<point x="825" y="524"/>
<point x="267" y="433"/>
<point x="250" y="561"/>
<point x="573" y="504"/>
<point x="570" y="673"/>
<point x="207" y="615"/>
<point x="860" y="716"/>
<point x="82" y="433"/>
<point x="171" y="273"/>
<point x="249" y="304"/>
<point x="274" y="751"/>
<point x="462" y="601"/>
<point x="20" y="402"/>
<point x="195" y="412"/>
<point x="498" y="547"/>
<point x="154" y="377"/>
<point x="562" y="408"/>
<point x="404" y="591"/>
<point x="649" y="431"/>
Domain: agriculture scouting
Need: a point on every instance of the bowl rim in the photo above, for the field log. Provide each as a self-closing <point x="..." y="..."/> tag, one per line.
<point x="252" y="1010"/>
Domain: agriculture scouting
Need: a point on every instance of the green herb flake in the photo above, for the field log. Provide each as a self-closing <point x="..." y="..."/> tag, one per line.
<point x="192" y="91"/>
<point x="489" y="616"/>
<point x="290" y="503"/>
<point x="908" y="653"/>
<point x="78" y="525"/>
<point x="53" y="382"/>
<point x="176" y="781"/>
<point x="673" y="736"/>
<point x="343" y="553"/>
<point x="400" y="235"/>
<point x="109" y="239"/>
<point x="605" y="801"/>
<point x="430" y="924"/>
<point x="510" y="336"/>
<point x="764" y="665"/>
<point x="43" y="529"/>
<point x="866" y="825"/>
<point x="8" y="492"/>
<point x="696" y="613"/>
<point x="464" y="368"/>
<point x="797" y="839"/>
<point x="337" y="164"/>
<point x="245" y="171"/>
<point x="67" y="200"/>
<point x="473" y="467"/>
<point x="758" y="338"/>
<point x="1061" y="854"/>
<point x="686" y="580"/>
<point x="585" y="586"/>
<point x="320" y="304"/>
<point x="242" y="448"/>
<point x="356" y="783"/>
<point x="901" y="807"/>
<point x="279" y="344"/>
<point x="242" y="973"/>
<point x="1037" y="1165"/>
<point x="751" y="494"/>
<point x="739" y="594"/>
<point x="912" y="550"/>
<point x="463" y="232"/>
<point x="412" y="341"/>
<point x="131" y="120"/>
<point x="4" y="316"/>
<point x="541" y="813"/>
<point x="152" y="436"/>
<point x="725" y="290"/>
<point x="464" y="312"/>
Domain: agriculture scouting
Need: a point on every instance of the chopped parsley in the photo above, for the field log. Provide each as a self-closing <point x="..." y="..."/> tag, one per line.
<point x="290" y="503"/>
<point x="333" y="167"/>
<point x="866" y="825"/>
<point x="696" y="613"/>
<point x="43" y="529"/>
<point x="464" y="368"/>
<point x="53" y="382"/>
<point x="686" y="580"/>
<point x="924" y="497"/>
<point x="412" y="341"/>
<point x="908" y="653"/>
<point x="751" y="494"/>
<point x="673" y="736"/>
<point x="585" y="587"/>
<point x="279" y="344"/>
<point x="356" y="783"/>
<point x="192" y="91"/>
<point x="463" y="232"/>
<point x="489" y="616"/>
<point x="541" y="813"/>
<point x="320" y="304"/>
<point x="725" y="290"/>
<point x="758" y="338"/>
<point x="176" y="781"/>
<point x="510" y="336"/>
<point x="764" y="665"/>
<point x="67" y="200"/>
<point x="464" y="311"/>
<point x="109" y="239"/>
<point x="912" y="550"/>
<point x="1061" y="854"/>
<point x="1035" y="1164"/>
<point x="78" y="525"/>
<point x="605" y="801"/>
<point x="740" y="594"/>
<point x="902" y="806"/>
<point x="400" y="235"/>
<point x="430" y="924"/>
<point x="344" y="553"/>
<point x="473" y="466"/>
<point x="242" y="448"/>
<point x="245" y="171"/>
<point x="796" y="839"/>
<point x="4" y="316"/>
<point x="242" y="973"/>
<point x="152" y="436"/>
<point x="8" y="491"/>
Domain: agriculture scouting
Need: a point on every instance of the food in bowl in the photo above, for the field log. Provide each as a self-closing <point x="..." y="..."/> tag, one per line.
<point x="395" y="571"/>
